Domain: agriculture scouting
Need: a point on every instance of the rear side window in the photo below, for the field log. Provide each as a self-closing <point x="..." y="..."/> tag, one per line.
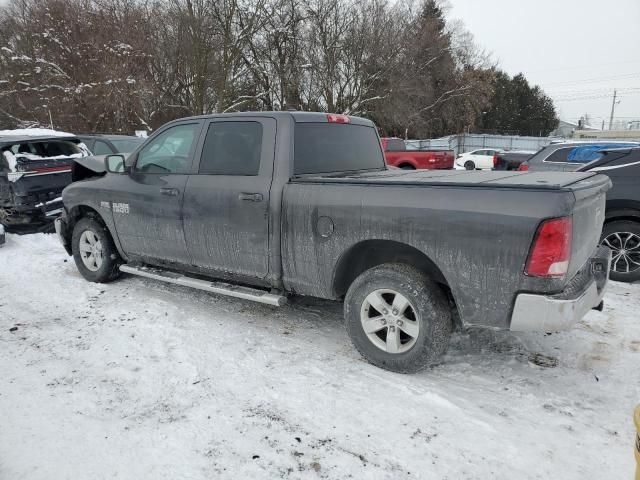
<point x="331" y="147"/>
<point x="589" y="153"/>
<point x="559" y="155"/>
<point x="127" y="145"/>
<point x="101" y="148"/>
<point x="395" y="145"/>
<point x="232" y="148"/>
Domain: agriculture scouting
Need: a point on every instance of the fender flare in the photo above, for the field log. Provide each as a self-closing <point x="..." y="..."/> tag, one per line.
<point x="79" y="211"/>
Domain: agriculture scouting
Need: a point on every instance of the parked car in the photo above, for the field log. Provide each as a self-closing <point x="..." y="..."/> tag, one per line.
<point x="397" y="155"/>
<point x="484" y="159"/>
<point x="108" y="144"/>
<point x="264" y="205"/>
<point x="569" y="156"/>
<point x="511" y="160"/>
<point x="35" y="166"/>
<point x="621" y="231"/>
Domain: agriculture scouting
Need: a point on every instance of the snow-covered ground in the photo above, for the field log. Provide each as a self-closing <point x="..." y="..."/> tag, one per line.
<point x="142" y="380"/>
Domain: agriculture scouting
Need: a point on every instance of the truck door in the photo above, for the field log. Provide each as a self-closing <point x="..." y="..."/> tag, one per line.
<point x="226" y="203"/>
<point x="147" y="202"/>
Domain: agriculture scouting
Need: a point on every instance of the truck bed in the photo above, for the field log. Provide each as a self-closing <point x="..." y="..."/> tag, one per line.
<point x="458" y="178"/>
<point x="476" y="227"/>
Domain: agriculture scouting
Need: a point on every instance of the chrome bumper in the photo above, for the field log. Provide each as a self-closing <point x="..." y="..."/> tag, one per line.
<point x="542" y="313"/>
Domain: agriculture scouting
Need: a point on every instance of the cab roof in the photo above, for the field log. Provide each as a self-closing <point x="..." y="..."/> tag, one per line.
<point x="297" y="116"/>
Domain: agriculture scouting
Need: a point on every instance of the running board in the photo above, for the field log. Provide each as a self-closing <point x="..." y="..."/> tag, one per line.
<point x="221" y="288"/>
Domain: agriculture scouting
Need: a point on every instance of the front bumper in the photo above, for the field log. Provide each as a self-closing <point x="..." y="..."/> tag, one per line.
<point x="61" y="231"/>
<point x="550" y="313"/>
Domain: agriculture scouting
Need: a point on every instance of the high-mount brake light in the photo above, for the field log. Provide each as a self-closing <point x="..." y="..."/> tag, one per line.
<point x="335" y="118"/>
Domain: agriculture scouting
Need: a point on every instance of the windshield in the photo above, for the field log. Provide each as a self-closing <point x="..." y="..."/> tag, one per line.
<point x="331" y="147"/>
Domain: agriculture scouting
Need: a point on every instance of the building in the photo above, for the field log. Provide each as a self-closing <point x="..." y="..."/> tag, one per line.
<point x="566" y="129"/>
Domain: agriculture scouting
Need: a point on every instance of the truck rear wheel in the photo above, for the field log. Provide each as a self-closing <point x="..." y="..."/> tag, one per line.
<point x="94" y="252"/>
<point x="623" y="238"/>
<point x="397" y="318"/>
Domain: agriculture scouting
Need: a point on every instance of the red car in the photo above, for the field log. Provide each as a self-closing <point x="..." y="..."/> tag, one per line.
<point x="397" y="155"/>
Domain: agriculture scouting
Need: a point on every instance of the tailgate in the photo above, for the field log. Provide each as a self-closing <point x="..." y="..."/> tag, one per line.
<point x="35" y="188"/>
<point x="588" y="217"/>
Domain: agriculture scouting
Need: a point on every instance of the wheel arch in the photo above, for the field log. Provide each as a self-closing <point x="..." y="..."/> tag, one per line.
<point x="398" y="162"/>
<point x="370" y="253"/>
<point x="621" y="214"/>
<point x="77" y="212"/>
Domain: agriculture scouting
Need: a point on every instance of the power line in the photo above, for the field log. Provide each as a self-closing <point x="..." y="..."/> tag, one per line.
<point x="593" y="80"/>
<point x="578" y="67"/>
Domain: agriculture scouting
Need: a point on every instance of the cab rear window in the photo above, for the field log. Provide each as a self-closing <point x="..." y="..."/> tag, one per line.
<point x="331" y="147"/>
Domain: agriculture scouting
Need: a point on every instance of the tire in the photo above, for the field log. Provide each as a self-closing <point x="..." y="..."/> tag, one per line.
<point x="427" y="309"/>
<point x="407" y="167"/>
<point x="469" y="165"/>
<point x="105" y="270"/>
<point x="626" y="234"/>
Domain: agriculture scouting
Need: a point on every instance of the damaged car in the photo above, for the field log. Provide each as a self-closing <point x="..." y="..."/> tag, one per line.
<point x="35" y="166"/>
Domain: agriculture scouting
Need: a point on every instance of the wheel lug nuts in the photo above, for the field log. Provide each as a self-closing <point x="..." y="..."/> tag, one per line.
<point x="384" y="322"/>
<point x="392" y="328"/>
<point x="399" y="322"/>
<point x="385" y="311"/>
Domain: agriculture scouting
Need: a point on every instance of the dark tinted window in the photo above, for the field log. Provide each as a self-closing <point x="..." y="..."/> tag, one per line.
<point x="232" y="148"/>
<point x="589" y="153"/>
<point x="101" y="148"/>
<point x="559" y="155"/>
<point x="395" y="145"/>
<point x="331" y="147"/>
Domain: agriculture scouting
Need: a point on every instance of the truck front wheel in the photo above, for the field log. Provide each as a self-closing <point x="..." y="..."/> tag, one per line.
<point x="397" y="318"/>
<point x="94" y="252"/>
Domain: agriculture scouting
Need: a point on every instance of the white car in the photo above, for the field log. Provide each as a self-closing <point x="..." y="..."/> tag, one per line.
<point x="476" y="160"/>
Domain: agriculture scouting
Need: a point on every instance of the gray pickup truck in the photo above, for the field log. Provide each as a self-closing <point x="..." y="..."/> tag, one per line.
<point x="266" y="205"/>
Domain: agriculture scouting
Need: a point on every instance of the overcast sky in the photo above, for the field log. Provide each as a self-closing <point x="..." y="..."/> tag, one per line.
<point x="571" y="48"/>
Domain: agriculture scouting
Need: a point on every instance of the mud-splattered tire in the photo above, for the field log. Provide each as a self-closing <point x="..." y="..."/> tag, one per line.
<point x="92" y="239"/>
<point x="374" y="307"/>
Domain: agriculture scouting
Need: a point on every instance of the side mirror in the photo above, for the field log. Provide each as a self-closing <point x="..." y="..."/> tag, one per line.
<point x="114" y="164"/>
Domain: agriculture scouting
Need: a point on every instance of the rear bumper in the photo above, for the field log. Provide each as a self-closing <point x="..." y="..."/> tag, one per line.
<point x="550" y="313"/>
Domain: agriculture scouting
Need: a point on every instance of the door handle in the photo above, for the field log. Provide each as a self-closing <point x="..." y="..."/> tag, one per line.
<point x="250" y="197"/>
<point x="171" y="192"/>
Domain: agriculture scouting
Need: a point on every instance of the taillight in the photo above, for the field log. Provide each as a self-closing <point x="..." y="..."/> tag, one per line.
<point x="495" y="161"/>
<point x="523" y="168"/>
<point x="551" y="249"/>
<point x="335" y="118"/>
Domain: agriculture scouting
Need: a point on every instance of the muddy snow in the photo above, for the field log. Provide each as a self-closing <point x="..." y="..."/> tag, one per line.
<point x="141" y="380"/>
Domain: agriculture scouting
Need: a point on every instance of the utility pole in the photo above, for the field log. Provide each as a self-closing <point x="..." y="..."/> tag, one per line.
<point x="613" y="108"/>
